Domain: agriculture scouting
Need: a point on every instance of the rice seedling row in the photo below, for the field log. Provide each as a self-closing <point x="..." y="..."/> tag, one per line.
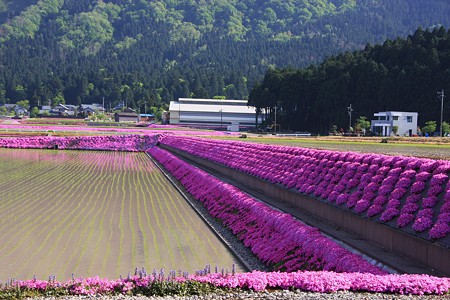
<point x="26" y="222"/>
<point x="63" y="221"/>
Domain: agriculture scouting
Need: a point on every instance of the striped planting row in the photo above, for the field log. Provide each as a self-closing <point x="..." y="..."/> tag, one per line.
<point x="95" y="213"/>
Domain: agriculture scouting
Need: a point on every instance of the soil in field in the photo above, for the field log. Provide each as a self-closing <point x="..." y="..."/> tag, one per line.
<point x="96" y="214"/>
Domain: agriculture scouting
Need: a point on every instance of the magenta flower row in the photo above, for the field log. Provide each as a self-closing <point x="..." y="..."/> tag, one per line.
<point x="385" y="188"/>
<point x="276" y="238"/>
<point x="112" y="143"/>
<point x="327" y="282"/>
<point x="319" y="282"/>
<point x="152" y="129"/>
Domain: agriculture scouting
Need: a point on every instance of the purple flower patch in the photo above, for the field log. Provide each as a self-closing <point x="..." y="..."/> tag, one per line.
<point x="374" y="210"/>
<point x="403" y="183"/>
<point x="429" y="202"/>
<point x="361" y="206"/>
<point x="424" y="220"/>
<point x="409" y="208"/>
<point x="423" y="176"/>
<point x="380" y="200"/>
<point x="422" y="224"/>
<point x="341" y="199"/>
<point x="418" y="187"/>
<point x="389" y="214"/>
<point x="405" y="219"/>
<point x="439" y="230"/>
<point x="439" y="179"/>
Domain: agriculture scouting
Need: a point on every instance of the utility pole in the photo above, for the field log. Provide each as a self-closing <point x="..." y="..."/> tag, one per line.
<point x="220" y="119"/>
<point x="103" y="105"/>
<point x="275" y="130"/>
<point x="442" y="95"/>
<point x="350" y="110"/>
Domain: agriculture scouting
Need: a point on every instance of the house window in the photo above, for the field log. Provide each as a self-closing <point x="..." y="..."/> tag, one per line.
<point x="395" y="118"/>
<point x="382" y="118"/>
<point x="409" y="119"/>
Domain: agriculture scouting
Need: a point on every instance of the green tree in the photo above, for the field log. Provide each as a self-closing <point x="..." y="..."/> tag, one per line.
<point x="58" y="99"/>
<point x="34" y="112"/>
<point x="333" y="129"/>
<point x="2" y="94"/>
<point x="230" y="92"/>
<point x="362" y="124"/>
<point x="395" y="129"/>
<point x="157" y="112"/>
<point x="100" y="117"/>
<point x="3" y="6"/>
<point x="445" y="127"/>
<point x="19" y="93"/>
<point x="3" y="111"/>
<point x="430" y="127"/>
<point x="24" y="103"/>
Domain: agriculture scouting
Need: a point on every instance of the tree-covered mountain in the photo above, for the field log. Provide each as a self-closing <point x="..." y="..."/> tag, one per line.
<point x="150" y="52"/>
<point x="404" y="74"/>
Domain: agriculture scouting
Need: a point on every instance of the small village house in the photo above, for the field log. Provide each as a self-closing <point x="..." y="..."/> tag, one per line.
<point x="64" y="110"/>
<point x="395" y="123"/>
<point x="16" y="109"/>
<point x="126" y="117"/>
<point x="86" y="110"/>
<point x="147" y="118"/>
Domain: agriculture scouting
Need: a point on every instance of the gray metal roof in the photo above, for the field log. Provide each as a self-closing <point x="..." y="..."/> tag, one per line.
<point x="213" y="101"/>
<point x="209" y="108"/>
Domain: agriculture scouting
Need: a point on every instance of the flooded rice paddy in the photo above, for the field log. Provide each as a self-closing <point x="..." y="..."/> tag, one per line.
<point x="92" y="213"/>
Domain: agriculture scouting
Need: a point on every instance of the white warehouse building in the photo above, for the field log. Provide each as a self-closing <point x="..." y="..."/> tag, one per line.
<point x="404" y="122"/>
<point x="232" y="115"/>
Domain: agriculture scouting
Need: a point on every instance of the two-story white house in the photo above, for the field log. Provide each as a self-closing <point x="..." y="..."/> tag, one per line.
<point x="405" y="123"/>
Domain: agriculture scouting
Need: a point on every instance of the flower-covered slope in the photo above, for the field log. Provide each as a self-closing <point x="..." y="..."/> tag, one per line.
<point x="409" y="193"/>
<point x="276" y="238"/>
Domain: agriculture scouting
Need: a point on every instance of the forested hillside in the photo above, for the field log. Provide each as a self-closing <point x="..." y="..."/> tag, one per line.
<point x="404" y="74"/>
<point x="150" y="52"/>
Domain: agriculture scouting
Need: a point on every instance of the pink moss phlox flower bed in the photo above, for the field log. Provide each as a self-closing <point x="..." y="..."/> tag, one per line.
<point x="154" y="128"/>
<point x="115" y="143"/>
<point x="374" y="186"/>
<point x="276" y="238"/>
<point x="69" y="128"/>
<point x="326" y="282"/>
<point x="318" y="281"/>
